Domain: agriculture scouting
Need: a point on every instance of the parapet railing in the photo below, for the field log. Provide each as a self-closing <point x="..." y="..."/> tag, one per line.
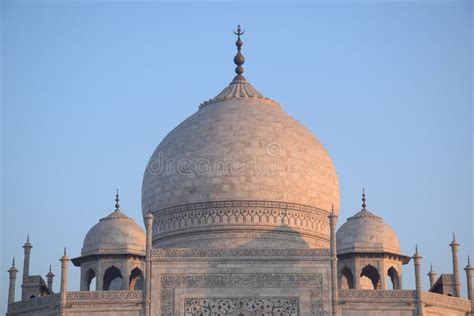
<point x="427" y="298"/>
<point x="78" y="297"/>
<point x="385" y="295"/>
<point x="35" y="303"/>
<point x="103" y="296"/>
<point x="430" y="298"/>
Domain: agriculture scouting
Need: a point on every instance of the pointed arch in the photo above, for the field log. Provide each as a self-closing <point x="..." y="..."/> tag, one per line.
<point x="394" y="278"/>
<point x="136" y="279"/>
<point x="370" y="273"/>
<point x="346" y="280"/>
<point x="112" y="279"/>
<point x="89" y="276"/>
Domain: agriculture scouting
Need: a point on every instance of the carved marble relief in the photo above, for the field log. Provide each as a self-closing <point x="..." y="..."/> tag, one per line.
<point x="312" y="282"/>
<point x="287" y="306"/>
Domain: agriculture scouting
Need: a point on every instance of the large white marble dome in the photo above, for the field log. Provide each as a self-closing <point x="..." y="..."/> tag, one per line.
<point x="240" y="172"/>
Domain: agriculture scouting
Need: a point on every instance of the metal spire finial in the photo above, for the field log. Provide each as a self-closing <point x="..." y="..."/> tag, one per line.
<point x="454" y="237"/>
<point x="28" y="238"/>
<point x="117" y="200"/>
<point x="13" y="261"/>
<point x="49" y="268"/>
<point x="239" y="59"/>
<point x="64" y="250"/>
<point x="468" y="260"/>
<point x="363" y="199"/>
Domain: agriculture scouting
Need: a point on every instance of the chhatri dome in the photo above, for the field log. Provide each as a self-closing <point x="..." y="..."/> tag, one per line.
<point x="240" y="172"/>
<point x="366" y="232"/>
<point x="115" y="234"/>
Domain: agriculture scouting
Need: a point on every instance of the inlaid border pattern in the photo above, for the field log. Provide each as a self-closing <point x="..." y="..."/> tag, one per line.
<point x="172" y="281"/>
<point x="283" y="306"/>
<point x="237" y="252"/>
<point x="270" y="213"/>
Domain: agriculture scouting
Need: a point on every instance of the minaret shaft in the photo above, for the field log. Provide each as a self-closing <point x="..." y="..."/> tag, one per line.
<point x="457" y="281"/>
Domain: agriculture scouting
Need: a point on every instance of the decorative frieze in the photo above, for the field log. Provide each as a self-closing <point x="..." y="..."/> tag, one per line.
<point x="395" y="295"/>
<point x="103" y="296"/>
<point x="224" y="253"/>
<point x="310" y="281"/>
<point x="283" y="306"/>
<point x="230" y="215"/>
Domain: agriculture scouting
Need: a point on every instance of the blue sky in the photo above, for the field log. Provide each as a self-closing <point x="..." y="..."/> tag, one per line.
<point x="90" y="88"/>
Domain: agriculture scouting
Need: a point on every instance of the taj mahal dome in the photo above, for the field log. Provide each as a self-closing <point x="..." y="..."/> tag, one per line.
<point x="240" y="204"/>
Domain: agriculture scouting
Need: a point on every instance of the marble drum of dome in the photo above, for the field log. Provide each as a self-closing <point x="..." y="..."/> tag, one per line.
<point x="240" y="172"/>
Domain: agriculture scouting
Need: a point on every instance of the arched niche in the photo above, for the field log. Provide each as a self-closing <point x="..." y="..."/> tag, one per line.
<point x="112" y="279"/>
<point x="394" y="277"/>
<point x="369" y="278"/>
<point x="346" y="280"/>
<point x="89" y="276"/>
<point x="136" y="279"/>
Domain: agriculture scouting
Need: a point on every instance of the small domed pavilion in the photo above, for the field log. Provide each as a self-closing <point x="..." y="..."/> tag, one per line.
<point x="113" y="253"/>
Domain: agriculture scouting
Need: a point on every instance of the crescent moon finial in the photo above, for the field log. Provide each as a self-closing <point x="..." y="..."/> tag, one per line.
<point x="239" y="59"/>
<point x="239" y="32"/>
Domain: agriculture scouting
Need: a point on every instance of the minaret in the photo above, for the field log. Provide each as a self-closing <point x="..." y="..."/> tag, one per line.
<point x="11" y="288"/>
<point x="149" y="234"/>
<point x="333" y="251"/>
<point x="417" y="261"/>
<point x="470" y="283"/>
<point x="50" y="277"/>
<point x="63" y="288"/>
<point x="432" y="276"/>
<point x="26" y="265"/>
<point x="457" y="282"/>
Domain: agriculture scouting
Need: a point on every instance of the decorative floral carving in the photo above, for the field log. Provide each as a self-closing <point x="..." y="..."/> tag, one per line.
<point x="347" y="294"/>
<point x="286" y="306"/>
<point x="172" y="281"/>
<point x="179" y="219"/>
<point x="104" y="296"/>
<point x="223" y="253"/>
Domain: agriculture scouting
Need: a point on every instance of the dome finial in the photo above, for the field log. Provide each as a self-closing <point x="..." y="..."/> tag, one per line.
<point x="363" y="199"/>
<point x="239" y="59"/>
<point x="117" y="200"/>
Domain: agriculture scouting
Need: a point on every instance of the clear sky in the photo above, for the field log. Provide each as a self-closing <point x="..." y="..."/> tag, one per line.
<point x="89" y="89"/>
